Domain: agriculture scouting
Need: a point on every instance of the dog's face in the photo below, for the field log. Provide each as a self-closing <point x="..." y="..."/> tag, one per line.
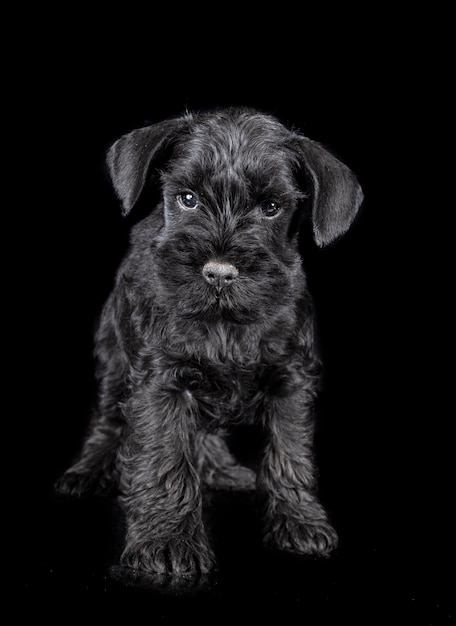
<point x="234" y="184"/>
<point x="229" y="203"/>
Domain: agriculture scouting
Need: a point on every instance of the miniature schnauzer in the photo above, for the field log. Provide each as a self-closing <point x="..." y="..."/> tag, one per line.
<point x="209" y="325"/>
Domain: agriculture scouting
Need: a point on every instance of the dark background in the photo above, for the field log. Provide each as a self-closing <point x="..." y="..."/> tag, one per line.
<point x="374" y="93"/>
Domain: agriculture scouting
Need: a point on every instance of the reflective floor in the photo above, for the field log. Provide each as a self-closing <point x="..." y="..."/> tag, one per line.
<point x="383" y="570"/>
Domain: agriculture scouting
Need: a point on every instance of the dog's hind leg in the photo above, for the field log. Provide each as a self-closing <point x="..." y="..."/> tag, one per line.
<point x="95" y="470"/>
<point x="218" y="468"/>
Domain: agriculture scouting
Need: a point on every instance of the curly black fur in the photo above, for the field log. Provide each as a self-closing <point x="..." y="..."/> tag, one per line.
<point x="210" y="325"/>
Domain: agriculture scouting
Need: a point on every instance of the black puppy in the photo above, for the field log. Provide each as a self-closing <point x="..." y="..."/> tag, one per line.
<point x="210" y="325"/>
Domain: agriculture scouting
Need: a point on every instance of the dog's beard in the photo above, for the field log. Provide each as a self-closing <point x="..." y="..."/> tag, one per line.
<point x="253" y="296"/>
<point x="232" y="304"/>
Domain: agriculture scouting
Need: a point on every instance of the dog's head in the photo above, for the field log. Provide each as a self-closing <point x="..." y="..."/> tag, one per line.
<point x="234" y="183"/>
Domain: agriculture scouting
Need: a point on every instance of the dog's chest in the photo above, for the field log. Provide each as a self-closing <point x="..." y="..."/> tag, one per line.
<point x="220" y="369"/>
<point x="224" y="393"/>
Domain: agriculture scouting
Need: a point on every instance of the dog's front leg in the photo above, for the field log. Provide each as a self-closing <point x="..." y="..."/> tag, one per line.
<point x="161" y="494"/>
<point x="294" y="519"/>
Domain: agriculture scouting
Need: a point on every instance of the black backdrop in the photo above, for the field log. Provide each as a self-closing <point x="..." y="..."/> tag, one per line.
<point x="383" y="436"/>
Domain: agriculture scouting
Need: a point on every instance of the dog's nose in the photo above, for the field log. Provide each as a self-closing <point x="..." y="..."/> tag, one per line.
<point x="220" y="274"/>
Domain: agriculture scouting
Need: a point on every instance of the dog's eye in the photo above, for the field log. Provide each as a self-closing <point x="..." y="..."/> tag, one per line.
<point x="270" y="209"/>
<point x="187" y="200"/>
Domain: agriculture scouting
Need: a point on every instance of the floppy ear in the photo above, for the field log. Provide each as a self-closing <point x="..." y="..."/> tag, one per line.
<point x="337" y="194"/>
<point x="130" y="157"/>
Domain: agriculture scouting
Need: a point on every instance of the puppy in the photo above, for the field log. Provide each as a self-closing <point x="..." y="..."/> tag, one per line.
<point x="209" y="325"/>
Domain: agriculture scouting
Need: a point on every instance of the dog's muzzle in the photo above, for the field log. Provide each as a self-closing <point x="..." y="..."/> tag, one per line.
<point x="219" y="274"/>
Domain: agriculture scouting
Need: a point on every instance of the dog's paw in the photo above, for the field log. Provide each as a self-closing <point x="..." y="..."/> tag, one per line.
<point x="231" y="477"/>
<point x="175" y="557"/>
<point x="83" y="479"/>
<point x="315" y="537"/>
<point x="74" y="483"/>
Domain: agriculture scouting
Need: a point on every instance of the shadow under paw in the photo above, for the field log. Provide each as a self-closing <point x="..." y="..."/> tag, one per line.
<point x="163" y="583"/>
